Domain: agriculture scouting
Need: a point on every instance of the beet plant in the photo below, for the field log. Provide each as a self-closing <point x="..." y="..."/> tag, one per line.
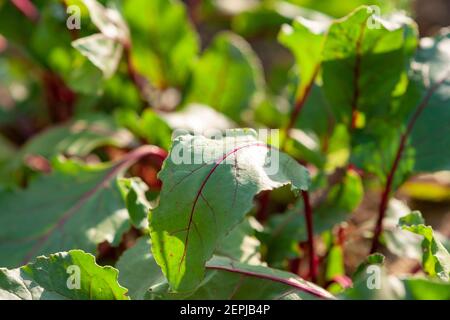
<point x="200" y="150"/>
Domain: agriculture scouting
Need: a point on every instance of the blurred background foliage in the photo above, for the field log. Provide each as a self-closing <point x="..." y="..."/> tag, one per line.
<point x="148" y="78"/>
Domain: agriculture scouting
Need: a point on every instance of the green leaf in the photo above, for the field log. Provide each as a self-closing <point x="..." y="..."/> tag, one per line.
<point x="431" y="77"/>
<point x="316" y="115"/>
<point x="364" y="58"/>
<point x="104" y="49"/>
<point x="234" y="76"/>
<point x="337" y="8"/>
<point x="371" y="282"/>
<point x="105" y="53"/>
<point x="150" y="126"/>
<point x="244" y="282"/>
<point x="12" y="23"/>
<point x="305" y="38"/>
<point x="79" y="137"/>
<point x="306" y="146"/>
<point x="55" y="278"/>
<point x="225" y="279"/>
<point x="375" y="149"/>
<point x="335" y="263"/>
<point x="7" y="155"/>
<point x="198" y="118"/>
<point x="422" y="113"/>
<point x="241" y="244"/>
<point x="77" y="206"/>
<point x="398" y="241"/>
<point x="45" y="47"/>
<point x="108" y="20"/>
<point x="138" y="269"/>
<point x="7" y="149"/>
<point x="257" y="20"/>
<point x="426" y="289"/>
<point x="215" y="182"/>
<point x="133" y="191"/>
<point x="235" y="7"/>
<point x="435" y="259"/>
<point x="269" y="16"/>
<point x="373" y="259"/>
<point x="165" y="44"/>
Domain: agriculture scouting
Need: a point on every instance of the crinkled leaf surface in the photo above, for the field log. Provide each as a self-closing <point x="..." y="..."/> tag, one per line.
<point x="52" y="278"/>
<point x="435" y="259"/>
<point x="235" y="76"/>
<point x="76" y="206"/>
<point x="208" y="187"/>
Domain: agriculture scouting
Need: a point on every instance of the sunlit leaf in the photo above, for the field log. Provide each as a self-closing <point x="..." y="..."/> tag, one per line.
<point x="435" y="259"/>
<point x="214" y="193"/>
<point x="234" y="73"/>
<point x="72" y="275"/>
